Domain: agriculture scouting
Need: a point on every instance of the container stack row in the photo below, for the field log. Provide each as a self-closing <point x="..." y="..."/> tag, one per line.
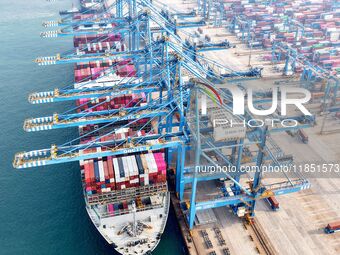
<point x="114" y="173"/>
<point x="134" y="128"/>
<point x="312" y="27"/>
<point x="123" y="206"/>
<point x="86" y="71"/>
<point x="103" y="38"/>
<point x="101" y="104"/>
<point x="99" y="47"/>
<point x="90" y="16"/>
<point x="118" y="173"/>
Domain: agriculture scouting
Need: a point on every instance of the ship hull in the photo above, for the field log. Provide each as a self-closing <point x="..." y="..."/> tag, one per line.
<point x="110" y="227"/>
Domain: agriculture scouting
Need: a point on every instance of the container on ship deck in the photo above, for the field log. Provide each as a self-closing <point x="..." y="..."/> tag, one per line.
<point x="81" y="65"/>
<point x="110" y="168"/>
<point x="126" y="71"/>
<point x="82" y="74"/>
<point x="89" y="191"/>
<point x="96" y="171"/>
<point x="114" y="37"/>
<point x="96" y="72"/>
<point x="123" y="62"/>
<point x="106" y="171"/>
<point x="87" y="173"/>
<point x="82" y="16"/>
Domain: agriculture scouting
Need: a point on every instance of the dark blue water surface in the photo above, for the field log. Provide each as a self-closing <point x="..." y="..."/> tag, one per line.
<point x="42" y="209"/>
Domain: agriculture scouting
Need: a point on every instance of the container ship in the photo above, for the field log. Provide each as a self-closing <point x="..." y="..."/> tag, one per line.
<point x="124" y="162"/>
<point x="126" y="197"/>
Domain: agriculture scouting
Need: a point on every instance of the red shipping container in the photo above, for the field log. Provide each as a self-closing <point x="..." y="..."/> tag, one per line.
<point x="91" y="171"/>
<point x="87" y="173"/>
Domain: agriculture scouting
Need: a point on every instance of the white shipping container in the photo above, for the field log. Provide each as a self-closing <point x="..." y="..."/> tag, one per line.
<point x="130" y="166"/>
<point x="134" y="164"/>
<point x="125" y="166"/>
<point x="153" y="163"/>
<point x="116" y="170"/>
<point x="147" y="162"/>
<point x="101" y="171"/>
<point x="150" y="165"/>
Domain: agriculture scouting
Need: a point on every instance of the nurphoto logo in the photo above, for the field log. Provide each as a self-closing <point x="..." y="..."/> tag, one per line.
<point x="239" y="101"/>
<point x="239" y="97"/>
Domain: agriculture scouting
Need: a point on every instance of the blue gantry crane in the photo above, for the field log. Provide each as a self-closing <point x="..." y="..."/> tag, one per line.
<point x="170" y="66"/>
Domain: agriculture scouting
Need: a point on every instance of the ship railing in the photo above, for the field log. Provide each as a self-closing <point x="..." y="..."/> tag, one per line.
<point x="127" y="194"/>
<point x="167" y="204"/>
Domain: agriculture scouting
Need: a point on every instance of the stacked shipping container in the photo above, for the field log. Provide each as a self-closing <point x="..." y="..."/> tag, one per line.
<point x="311" y="27"/>
<point x="117" y="173"/>
<point x="86" y="71"/>
<point x="112" y="174"/>
<point x="101" y="104"/>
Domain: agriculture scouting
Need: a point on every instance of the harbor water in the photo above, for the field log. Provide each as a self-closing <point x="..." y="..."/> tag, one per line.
<point x="42" y="210"/>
